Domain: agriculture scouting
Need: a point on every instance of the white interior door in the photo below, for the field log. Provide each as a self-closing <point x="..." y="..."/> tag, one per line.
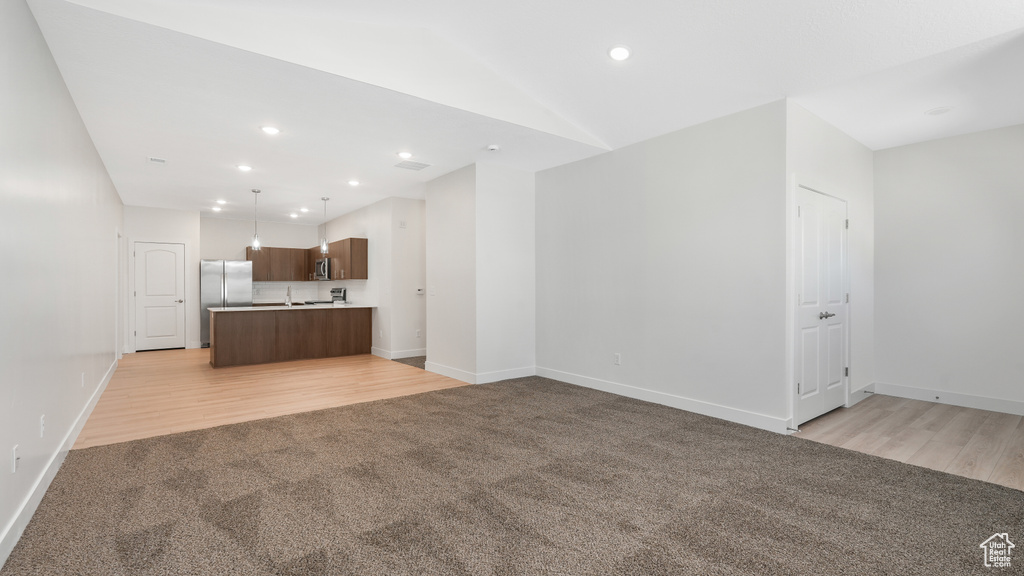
<point x="821" y="339"/>
<point x="159" y="296"/>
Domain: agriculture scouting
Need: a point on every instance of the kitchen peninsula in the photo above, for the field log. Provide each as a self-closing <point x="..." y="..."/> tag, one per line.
<point x="259" y="335"/>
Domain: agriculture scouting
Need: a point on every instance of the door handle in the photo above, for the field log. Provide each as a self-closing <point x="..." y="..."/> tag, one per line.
<point x="824" y="315"/>
<point x="179" y="301"/>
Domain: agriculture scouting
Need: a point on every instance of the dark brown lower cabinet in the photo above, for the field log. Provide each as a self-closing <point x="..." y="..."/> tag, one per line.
<point x="239" y="338"/>
<point x="301" y="335"/>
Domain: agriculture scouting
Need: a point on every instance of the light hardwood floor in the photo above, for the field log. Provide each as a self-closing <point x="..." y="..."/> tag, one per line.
<point x="168" y="391"/>
<point x="974" y="443"/>
<point x="163" y="392"/>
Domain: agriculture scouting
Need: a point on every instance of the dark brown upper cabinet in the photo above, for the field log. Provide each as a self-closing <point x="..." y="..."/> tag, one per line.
<point x="260" y="263"/>
<point x="349" y="259"/>
<point x="279" y="264"/>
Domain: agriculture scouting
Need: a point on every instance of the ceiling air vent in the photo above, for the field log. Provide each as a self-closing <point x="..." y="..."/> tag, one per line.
<point x="410" y="165"/>
<point x="157" y="160"/>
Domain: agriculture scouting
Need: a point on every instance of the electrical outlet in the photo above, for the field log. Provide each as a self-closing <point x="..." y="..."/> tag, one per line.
<point x="14" y="459"/>
<point x="617" y="359"/>
<point x="42" y="426"/>
<point x="401" y="223"/>
<point x="417" y="333"/>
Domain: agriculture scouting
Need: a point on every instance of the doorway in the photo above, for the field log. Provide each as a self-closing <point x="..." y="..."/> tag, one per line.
<point x="159" y="296"/>
<point x="822" y="303"/>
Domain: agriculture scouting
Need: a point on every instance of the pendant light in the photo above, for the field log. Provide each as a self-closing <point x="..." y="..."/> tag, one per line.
<point x="255" y="220"/>
<point x="323" y="239"/>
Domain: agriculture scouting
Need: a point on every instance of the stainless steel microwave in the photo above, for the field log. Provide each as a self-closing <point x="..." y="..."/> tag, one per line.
<point x="322" y="269"/>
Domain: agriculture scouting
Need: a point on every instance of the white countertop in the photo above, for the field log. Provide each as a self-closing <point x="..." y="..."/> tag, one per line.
<point x="303" y="307"/>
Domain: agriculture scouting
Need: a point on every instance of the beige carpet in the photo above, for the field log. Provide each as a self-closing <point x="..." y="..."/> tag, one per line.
<point x="528" y="476"/>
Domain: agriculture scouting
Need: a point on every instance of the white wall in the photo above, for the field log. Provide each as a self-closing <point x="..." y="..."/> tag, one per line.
<point x="671" y="252"/>
<point x="173" y="227"/>
<point x="505" y="273"/>
<point x="57" y="207"/>
<point x="949" y="273"/>
<point x="395" y="233"/>
<point x="451" y="274"/>
<point x="822" y="157"/>
<point x="224" y="239"/>
<point x="408" y="272"/>
<point x="373" y="223"/>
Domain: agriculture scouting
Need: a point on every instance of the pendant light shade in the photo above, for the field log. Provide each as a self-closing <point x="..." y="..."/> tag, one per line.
<point x="323" y="239"/>
<point x="255" y="219"/>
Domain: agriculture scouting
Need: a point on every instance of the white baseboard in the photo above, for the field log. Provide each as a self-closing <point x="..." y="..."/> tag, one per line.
<point x="480" y="378"/>
<point x="12" y="532"/>
<point x="498" y="375"/>
<point x="860" y="394"/>
<point x="395" y="354"/>
<point x="467" y="377"/>
<point x="753" y="419"/>
<point x="953" y="398"/>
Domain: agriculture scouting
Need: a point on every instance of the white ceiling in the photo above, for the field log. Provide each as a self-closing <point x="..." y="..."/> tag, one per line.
<point x="352" y="83"/>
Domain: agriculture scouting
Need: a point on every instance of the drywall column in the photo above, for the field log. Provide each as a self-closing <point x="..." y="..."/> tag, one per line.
<point x="59" y="208"/>
<point x="481" y="270"/>
<point x="451" y="274"/>
<point x="949" y="275"/>
<point x="505" y="273"/>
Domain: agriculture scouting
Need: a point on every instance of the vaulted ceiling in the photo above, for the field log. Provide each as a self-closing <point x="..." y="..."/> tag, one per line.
<point x="351" y="84"/>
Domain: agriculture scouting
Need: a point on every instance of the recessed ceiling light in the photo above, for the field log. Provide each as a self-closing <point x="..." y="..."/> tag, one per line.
<point x="270" y="130"/>
<point x="222" y="201"/>
<point x="303" y="209"/>
<point x="405" y="155"/>
<point x="353" y="182"/>
<point x="938" y="111"/>
<point x="216" y="208"/>
<point x="294" y="215"/>
<point x="619" y="53"/>
<point x="493" y="148"/>
<point x="244" y="168"/>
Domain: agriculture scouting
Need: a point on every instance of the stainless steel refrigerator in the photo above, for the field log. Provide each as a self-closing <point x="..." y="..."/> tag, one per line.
<point x="222" y="283"/>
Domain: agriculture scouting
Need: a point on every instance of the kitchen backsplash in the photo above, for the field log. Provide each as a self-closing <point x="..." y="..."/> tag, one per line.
<point x="359" y="291"/>
<point x="274" y="292"/>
